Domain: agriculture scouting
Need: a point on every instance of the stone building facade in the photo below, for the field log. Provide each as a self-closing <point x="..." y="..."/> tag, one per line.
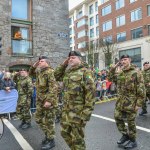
<point x="43" y="28"/>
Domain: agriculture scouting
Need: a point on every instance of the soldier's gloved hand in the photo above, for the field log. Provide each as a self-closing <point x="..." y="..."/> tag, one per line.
<point x="47" y="104"/>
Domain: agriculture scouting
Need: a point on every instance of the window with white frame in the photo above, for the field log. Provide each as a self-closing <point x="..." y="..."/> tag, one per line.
<point x="71" y="41"/>
<point x="132" y="1"/>
<point x="79" y="14"/>
<point x="82" y="33"/>
<point x="92" y="33"/>
<point x="91" y="21"/>
<point x="121" y="37"/>
<point x="108" y="39"/>
<point x="82" y="45"/>
<point x="106" y="10"/>
<point x="120" y="20"/>
<point x="91" y="9"/>
<point x="103" y="1"/>
<point x="21" y="28"/>
<point x="136" y="14"/>
<point x="107" y="25"/>
<point x="136" y="33"/>
<point x="97" y="19"/>
<point x="96" y="6"/>
<point x="119" y="4"/>
<point x="81" y="22"/>
<point x="148" y="10"/>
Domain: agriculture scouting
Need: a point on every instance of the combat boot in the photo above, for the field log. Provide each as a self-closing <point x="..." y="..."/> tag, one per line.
<point x="22" y="123"/>
<point x="143" y="112"/>
<point x="45" y="140"/>
<point x="123" y="139"/>
<point x="48" y="145"/>
<point x="26" y="125"/>
<point x="130" y="144"/>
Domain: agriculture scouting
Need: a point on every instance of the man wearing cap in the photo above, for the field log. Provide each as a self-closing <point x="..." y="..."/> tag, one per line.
<point x="79" y="98"/>
<point x="146" y="75"/>
<point x="24" y="87"/>
<point x="47" y="101"/>
<point x="131" y="93"/>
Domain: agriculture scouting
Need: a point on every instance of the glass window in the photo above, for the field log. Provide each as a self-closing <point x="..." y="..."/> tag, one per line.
<point x="71" y="40"/>
<point x="136" y="33"/>
<point x="119" y="4"/>
<point x="91" y="32"/>
<point x="148" y="10"/>
<point x="97" y="19"/>
<point x="79" y="15"/>
<point x="134" y="53"/>
<point x="96" y="6"/>
<point x="70" y="21"/>
<point x="136" y="15"/>
<point x="132" y="1"/>
<point x="81" y="22"/>
<point x="108" y="39"/>
<point x="103" y="1"/>
<point x="120" y="20"/>
<point x="107" y="25"/>
<point x="82" y="33"/>
<point x="21" y="40"/>
<point x="70" y="31"/>
<point x="82" y="45"/>
<point x="20" y="9"/>
<point x="97" y="31"/>
<point x="121" y="37"/>
<point x="106" y="10"/>
<point x="91" y="10"/>
<point x="91" y="21"/>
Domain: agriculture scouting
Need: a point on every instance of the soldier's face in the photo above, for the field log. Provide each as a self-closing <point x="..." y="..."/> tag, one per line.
<point x="74" y="60"/>
<point x="23" y="73"/>
<point x="42" y="63"/>
<point x="125" y="62"/>
<point x="146" y="66"/>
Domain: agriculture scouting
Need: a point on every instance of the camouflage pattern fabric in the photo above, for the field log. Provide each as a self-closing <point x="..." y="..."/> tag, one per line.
<point x="79" y="98"/>
<point x="146" y="75"/>
<point x="131" y="93"/>
<point x="24" y="90"/>
<point x="46" y="87"/>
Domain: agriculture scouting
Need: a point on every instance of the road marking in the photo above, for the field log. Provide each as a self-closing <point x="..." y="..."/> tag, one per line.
<point x="22" y="142"/>
<point x="112" y="120"/>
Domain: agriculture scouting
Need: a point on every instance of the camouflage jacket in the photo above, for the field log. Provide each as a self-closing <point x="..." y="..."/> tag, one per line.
<point x="79" y="92"/>
<point x="130" y="88"/>
<point x="146" y="75"/>
<point x="24" y="85"/>
<point x="46" y="86"/>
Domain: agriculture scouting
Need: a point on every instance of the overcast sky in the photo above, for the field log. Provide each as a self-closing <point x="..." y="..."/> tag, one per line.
<point x="73" y="3"/>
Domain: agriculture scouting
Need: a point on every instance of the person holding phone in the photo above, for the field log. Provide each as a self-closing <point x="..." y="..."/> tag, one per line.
<point x="79" y="97"/>
<point x="131" y="93"/>
<point x="47" y="100"/>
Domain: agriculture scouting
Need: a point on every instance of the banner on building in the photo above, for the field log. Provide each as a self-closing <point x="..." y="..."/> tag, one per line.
<point x="8" y="101"/>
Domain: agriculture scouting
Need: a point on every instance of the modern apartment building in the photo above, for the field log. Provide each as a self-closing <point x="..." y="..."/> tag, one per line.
<point x="30" y="28"/>
<point x="123" y="22"/>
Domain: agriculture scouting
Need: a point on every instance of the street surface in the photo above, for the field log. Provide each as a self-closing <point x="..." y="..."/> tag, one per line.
<point x="101" y="132"/>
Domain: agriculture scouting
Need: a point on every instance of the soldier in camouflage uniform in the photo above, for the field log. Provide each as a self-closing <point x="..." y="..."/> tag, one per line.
<point x="24" y="87"/>
<point x="47" y="100"/>
<point x="146" y="75"/>
<point x="131" y="92"/>
<point x="79" y="98"/>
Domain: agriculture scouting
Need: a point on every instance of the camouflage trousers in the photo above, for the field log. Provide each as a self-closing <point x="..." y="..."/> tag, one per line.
<point x="120" y="117"/>
<point x="23" y="108"/>
<point x="45" y="119"/>
<point x="144" y="105"/>
<point x="73" y="134"/>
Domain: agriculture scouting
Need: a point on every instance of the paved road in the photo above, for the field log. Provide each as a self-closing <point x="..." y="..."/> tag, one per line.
<point x="101" y="133"/>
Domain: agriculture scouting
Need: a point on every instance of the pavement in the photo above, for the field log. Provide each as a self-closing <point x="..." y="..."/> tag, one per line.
<point x="100" y="133"/>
